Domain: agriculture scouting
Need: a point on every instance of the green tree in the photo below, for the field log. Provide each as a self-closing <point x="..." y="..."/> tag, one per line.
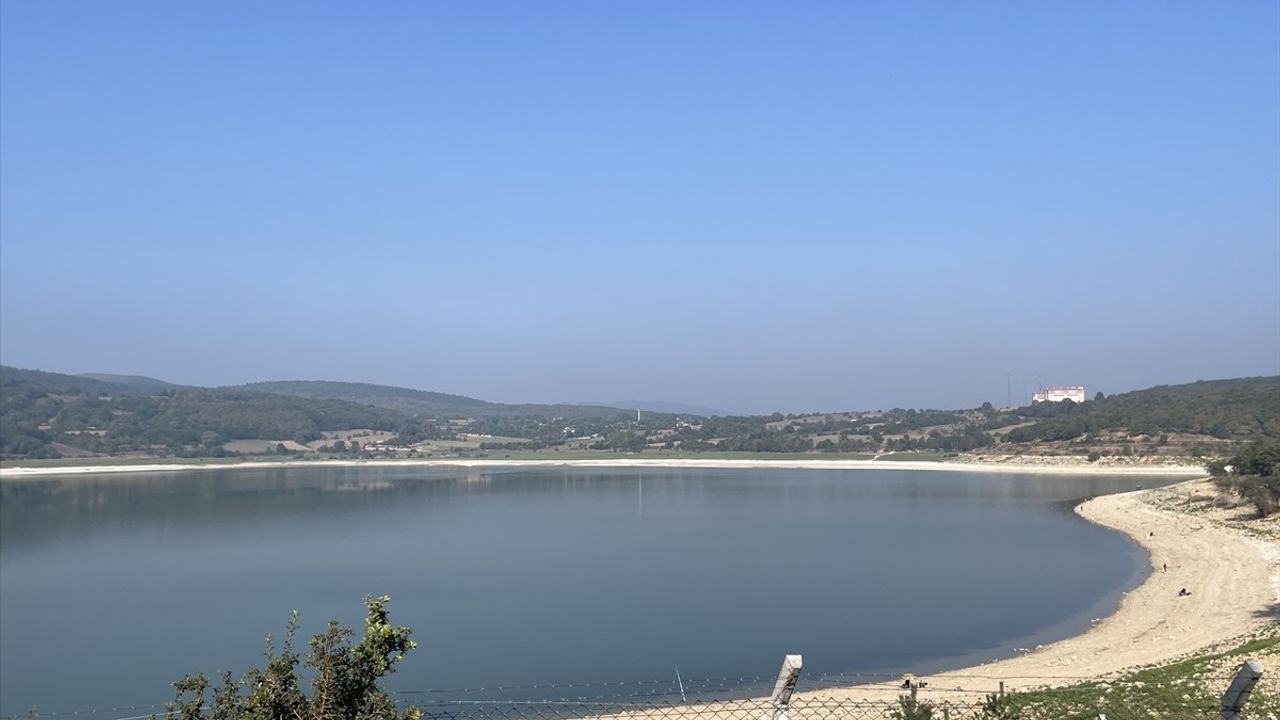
<point x="909" y="708"/>
<point x="998" y="706"/>
<point x="344" y="683"/>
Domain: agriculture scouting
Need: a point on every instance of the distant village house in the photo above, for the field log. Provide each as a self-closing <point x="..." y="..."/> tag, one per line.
<point x="1074" y="393"/>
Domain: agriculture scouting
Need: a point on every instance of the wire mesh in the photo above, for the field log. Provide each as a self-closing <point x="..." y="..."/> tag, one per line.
<point x="826" y="709"/>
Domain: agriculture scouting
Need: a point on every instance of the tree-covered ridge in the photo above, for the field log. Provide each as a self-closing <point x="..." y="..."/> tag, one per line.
<point x="190" y="421"/>
<point x="52" y="415"/>
<point x="432" y="404"/>
<point x="1240" y="409"/>
<point x="406" y="400"/>
<point x="49" y="415"/>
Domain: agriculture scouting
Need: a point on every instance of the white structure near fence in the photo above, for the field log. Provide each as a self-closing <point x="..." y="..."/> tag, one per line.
<point x="1074" y="393"/>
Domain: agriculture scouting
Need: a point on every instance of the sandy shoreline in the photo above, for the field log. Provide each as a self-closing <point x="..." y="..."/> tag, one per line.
<point x="1021" y="468"/>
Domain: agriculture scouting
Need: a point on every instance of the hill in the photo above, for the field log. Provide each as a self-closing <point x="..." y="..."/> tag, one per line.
<point x="141" y="382"/>
<point x="660" y="406"/>
<point x="431" y="404"/>
<point x="60" y="382"/>
<point x="46" y="414"/>
<point x="50" y="415"/>
<point x="1239" y="409"/>
<point x="406" y="400"/>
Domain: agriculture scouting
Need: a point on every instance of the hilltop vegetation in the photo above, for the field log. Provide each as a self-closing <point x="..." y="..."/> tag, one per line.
<point x="430" y="404"/>
<point x="1247" y="408"/>
<point x="53" y="415"/>
<point x="36" y="422"/>
<point x="50" y="415"/>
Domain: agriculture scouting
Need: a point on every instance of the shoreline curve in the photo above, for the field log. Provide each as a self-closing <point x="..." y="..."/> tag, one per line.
<point x="20" y="472"/>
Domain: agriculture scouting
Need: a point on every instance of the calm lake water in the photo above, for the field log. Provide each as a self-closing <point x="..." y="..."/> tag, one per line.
<point x="111" y="587"/>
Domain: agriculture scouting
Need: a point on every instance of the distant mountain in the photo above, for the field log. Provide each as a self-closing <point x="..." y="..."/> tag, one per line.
<point x="406" y="400"/>
<point x="141" y="382"/>
<point x="661" y="406"/>
<point x="61" y="383"/>
<point x="429" y="404"/>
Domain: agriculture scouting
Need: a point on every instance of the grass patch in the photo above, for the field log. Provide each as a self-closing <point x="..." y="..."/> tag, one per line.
<point x="917" y="456"/>
<point x="1190" y="688"/>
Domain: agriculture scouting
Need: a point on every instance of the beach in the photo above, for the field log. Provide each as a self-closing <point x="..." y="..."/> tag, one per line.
<point x="1014" y="466"/>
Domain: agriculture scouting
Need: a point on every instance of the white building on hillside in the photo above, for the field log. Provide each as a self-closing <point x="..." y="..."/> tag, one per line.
<point x="1074" y="393"/>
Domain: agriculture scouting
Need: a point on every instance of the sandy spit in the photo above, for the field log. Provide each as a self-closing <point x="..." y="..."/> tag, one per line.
<point x="1068" y="469"/>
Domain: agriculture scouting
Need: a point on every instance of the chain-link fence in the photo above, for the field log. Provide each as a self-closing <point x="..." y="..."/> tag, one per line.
<point x="906" y="698"/>
<point x="801" y="708"/>
<point x="856" y="696"/>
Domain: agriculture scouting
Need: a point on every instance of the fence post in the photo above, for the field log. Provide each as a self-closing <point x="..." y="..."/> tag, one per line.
<point x="786" y="685"/>
<point x="1237" y="694"/>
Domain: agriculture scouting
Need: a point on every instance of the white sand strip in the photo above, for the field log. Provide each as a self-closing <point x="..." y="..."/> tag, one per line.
<point x="692" y="463"/>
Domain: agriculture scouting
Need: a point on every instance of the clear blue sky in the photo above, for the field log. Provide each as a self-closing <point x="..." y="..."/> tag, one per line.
<point x="752" y="206"/>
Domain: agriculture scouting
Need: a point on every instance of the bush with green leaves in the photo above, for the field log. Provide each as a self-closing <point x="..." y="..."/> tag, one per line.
<point x="909" y="708"/>
<point x="1254" y="475"/>
<point x="344" y="683"/>
<point x="999" y="706"/>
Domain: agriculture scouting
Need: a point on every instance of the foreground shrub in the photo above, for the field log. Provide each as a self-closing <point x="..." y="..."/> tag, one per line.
<point x="344" y="685"/>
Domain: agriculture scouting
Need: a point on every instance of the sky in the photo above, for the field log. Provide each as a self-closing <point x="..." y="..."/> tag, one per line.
<point x="752" y="206"/>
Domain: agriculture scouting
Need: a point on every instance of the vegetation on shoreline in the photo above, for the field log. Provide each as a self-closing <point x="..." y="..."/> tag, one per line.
<point x="1253" y="474"/>
<point x="49" y="415"/>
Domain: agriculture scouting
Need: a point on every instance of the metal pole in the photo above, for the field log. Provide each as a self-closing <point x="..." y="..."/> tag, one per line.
<point x="786" y="684"/>
<point x="1237" y="694"/>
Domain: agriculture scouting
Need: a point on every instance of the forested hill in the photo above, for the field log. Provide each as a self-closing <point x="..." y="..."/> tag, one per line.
<point x="1239" y="409"/>
<point x="46" y="414"/>
<point x="407" y="400"/>
<point x="50" y="415"/>
<point x="431" y="404"/>
<point x="90" y="382"/>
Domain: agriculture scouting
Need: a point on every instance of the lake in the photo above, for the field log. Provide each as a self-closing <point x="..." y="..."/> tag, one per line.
<point x="113" y="586"/>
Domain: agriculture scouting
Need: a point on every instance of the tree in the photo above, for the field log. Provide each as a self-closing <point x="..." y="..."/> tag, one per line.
<point x="1254" y="475"/>
<point x="999" y="707"/>
<point x="909" y="708"/>
<point x="344" y="683"/>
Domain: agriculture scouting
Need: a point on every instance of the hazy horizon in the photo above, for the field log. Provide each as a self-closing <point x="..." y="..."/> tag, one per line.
<point x="748" y="207"/>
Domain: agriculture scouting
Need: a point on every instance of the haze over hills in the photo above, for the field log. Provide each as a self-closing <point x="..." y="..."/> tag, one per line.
<point x="423" y="402"/>
<point x="141" y="382"/>
<point x="661" y="406"/>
